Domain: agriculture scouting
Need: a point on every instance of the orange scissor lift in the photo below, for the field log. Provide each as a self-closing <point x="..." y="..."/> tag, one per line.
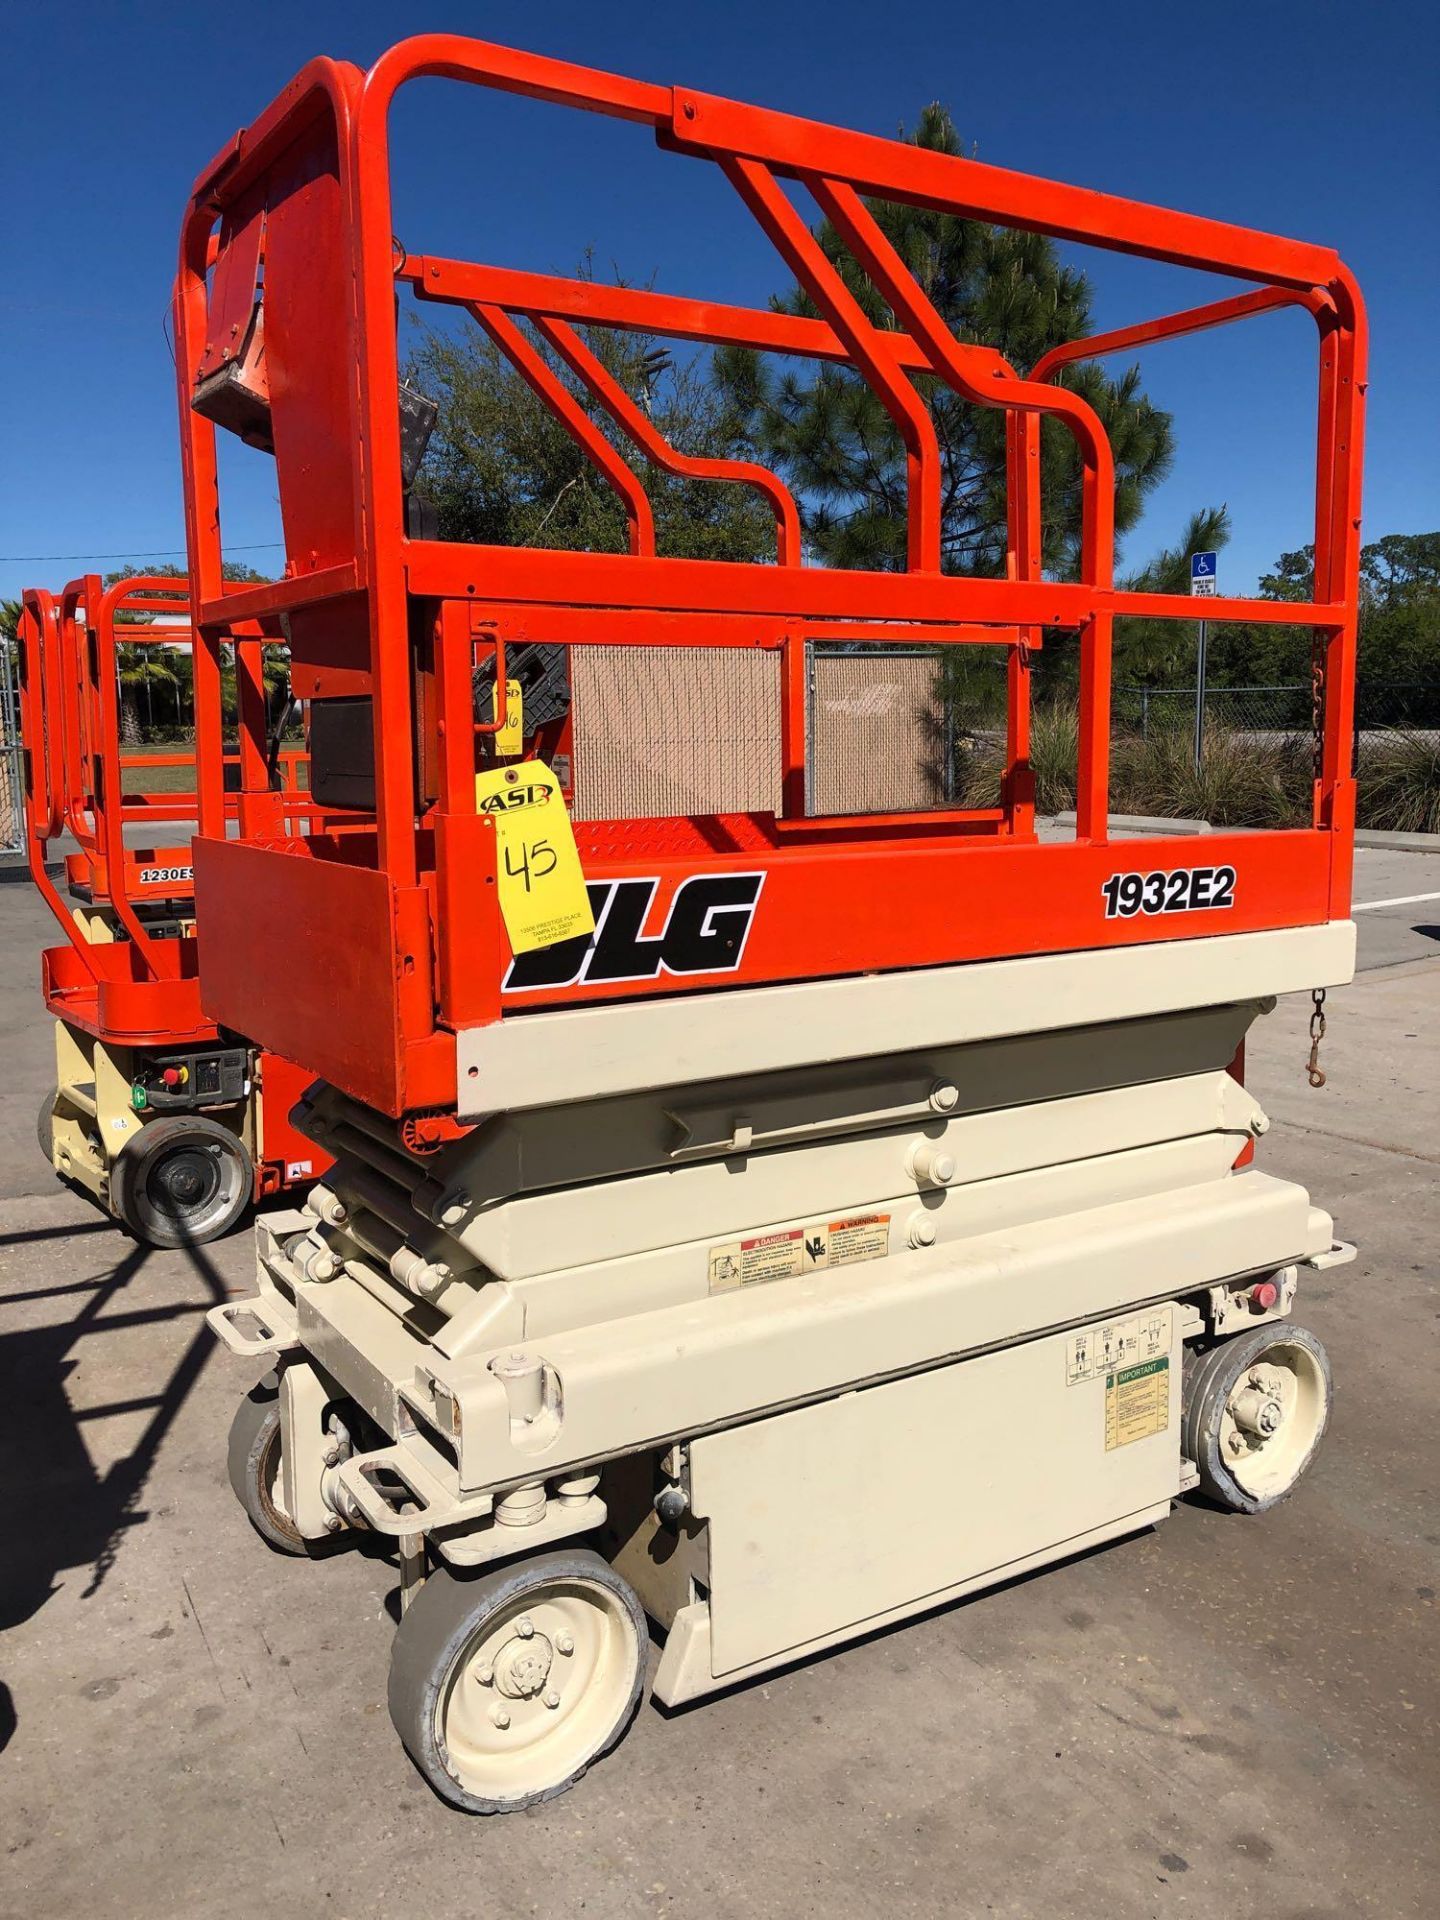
<point x="171" y="1124"/>
<point x="861" y="1212"/>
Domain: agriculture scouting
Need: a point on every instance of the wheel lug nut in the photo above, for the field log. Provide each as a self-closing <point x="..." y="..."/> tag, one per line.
<point x="552" y="1699"/>
<point x="501" y="1718"/>
<point x="563" y="1643"/>
<point x="525" y="1626"/>
<point x="485" y="1675"/>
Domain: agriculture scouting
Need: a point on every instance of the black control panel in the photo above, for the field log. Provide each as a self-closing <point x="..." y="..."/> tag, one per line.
<point x="181" y="1082"/>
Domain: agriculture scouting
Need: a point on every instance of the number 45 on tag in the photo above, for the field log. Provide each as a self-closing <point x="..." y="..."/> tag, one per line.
<point x="542" y="888"/>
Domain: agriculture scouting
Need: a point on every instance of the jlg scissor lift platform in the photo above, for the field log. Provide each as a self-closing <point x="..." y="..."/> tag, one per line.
<point x="864" y="1213"/>
<point x="171" y="1124"/>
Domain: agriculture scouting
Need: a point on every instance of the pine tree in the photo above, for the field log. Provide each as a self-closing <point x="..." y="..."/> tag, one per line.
<point x="826" y="431"/>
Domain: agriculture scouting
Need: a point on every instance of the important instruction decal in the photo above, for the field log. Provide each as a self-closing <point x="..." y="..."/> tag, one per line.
<point x="1137" y="1403"/>
<point x="790" y="1251"/>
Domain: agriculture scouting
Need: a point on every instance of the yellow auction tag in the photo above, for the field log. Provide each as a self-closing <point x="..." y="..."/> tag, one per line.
<point x="542" y="889"/>
<point x="509" y="738"/>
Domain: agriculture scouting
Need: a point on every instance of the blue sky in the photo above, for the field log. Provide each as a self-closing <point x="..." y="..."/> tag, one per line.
<point x="1306" y="117"/>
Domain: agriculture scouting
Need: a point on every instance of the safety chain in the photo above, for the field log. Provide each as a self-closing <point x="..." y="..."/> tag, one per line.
<point x="1317" y="705"/>
<point x="1317" y="1034"/>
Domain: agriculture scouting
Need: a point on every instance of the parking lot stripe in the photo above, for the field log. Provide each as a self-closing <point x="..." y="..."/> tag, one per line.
<point x="1405" y="900"/>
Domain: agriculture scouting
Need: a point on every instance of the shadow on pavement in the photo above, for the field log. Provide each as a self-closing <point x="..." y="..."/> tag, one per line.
<point x="67" y="1513"/>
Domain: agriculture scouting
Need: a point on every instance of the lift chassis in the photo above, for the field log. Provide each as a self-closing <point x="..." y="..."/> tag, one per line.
<point x="865" y="1212"/>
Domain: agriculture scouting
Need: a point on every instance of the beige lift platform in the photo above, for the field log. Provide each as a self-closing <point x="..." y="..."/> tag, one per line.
<point x="813" y="1348"/>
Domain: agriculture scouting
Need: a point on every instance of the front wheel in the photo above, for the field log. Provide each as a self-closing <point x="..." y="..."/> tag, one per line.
<point x="1254" y="1411"/>
<point x="181" y="1181"/>
<point x="504" y="1688"/>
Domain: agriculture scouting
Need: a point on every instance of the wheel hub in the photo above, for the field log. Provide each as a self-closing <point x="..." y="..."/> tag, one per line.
<point x="1258" y="1404"/>
<point x="522" y="1666"/>
<point x="186" y="1179"/>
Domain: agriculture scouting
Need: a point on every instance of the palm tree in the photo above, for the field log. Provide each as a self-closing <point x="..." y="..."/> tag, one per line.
<point x="140" y="667"/>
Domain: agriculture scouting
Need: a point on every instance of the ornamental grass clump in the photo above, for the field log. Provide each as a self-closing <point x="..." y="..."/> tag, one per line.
<point x="1399" y="783"/>
<point x="1243" y="780"/>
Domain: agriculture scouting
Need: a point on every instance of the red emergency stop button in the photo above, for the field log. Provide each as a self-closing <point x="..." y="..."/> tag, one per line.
<point x="1264" y="1295"/>
<point x="174" y="1077"/>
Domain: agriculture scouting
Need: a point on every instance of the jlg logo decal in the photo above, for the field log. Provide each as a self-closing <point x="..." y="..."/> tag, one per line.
<point x="705" y="932"/>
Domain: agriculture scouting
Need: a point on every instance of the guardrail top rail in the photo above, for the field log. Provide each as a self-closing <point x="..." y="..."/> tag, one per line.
<point x="286" y="323"/>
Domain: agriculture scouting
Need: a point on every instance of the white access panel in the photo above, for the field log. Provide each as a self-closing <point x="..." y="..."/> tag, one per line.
<point x="829" y="1516"/>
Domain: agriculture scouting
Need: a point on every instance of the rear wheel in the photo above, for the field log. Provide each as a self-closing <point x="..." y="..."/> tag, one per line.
<point x="180" y="1181"/>
<point x="506" y="1687"/>
<point x="1255" y="1409"/>
<point x="253" y="1459"/>
<point x="45" y="1125"/>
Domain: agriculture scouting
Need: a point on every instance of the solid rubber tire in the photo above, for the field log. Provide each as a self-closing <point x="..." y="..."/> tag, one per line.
<point x="1206" y="1386"/>
<point x="254" y="1432"/>
<point x="433" y="1634"/>
<point x="141" y="1152"/>
<point x="45" y="1125"/>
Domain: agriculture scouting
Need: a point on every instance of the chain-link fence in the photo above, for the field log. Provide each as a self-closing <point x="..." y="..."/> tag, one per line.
<point x="1273" y="715"/>
<point x="12" y="771"/>
<point x="1275" y="711"/>
<point x="1413" y="705"/>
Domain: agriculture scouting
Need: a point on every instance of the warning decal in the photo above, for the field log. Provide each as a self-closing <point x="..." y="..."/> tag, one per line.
<point x="840" y="1243"/>
<point x="1137" y="1403"/>
<point x="793" y="1250"/>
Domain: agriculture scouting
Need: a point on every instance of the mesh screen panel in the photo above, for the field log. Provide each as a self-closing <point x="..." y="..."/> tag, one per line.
<point x="696" y="730"/>
<point x="877" y="733"/>
<point x="675" y="730"/>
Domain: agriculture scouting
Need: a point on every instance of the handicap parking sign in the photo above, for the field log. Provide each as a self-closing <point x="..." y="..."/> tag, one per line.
<point x="1203" y="576"/>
